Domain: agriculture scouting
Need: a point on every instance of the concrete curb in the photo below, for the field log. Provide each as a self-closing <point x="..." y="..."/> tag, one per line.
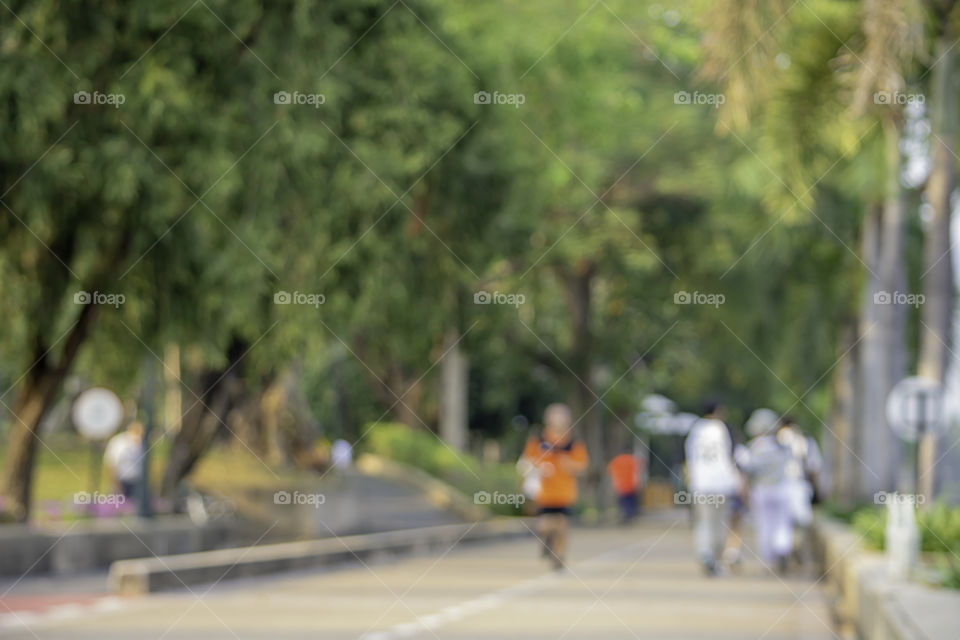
<point x="87" y="546"/>
<point x="147" y="575"/>
<point x="878" y="607"/>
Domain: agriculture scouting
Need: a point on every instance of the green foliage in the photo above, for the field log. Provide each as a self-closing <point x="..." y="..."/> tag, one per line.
<point x="939" y="535"/>
<point x="426" y="451"/>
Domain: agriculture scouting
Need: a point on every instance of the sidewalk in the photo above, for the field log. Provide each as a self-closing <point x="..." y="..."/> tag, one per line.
<point x="630" y="583"/>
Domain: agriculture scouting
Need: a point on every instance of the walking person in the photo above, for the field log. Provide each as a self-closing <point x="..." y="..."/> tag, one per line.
<point x="711" y="480"/>
<point x="802" y="476"/>
<point x="558" y="458"/>
<point x="122" y="458"/>
<point x="766" y="461"/>
<point x="624" y="472"/>
<point x="739" y="505"/>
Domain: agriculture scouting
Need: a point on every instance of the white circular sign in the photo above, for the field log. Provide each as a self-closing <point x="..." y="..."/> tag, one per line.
<point x="914" y="405"/>
<point x="97" y="413"/>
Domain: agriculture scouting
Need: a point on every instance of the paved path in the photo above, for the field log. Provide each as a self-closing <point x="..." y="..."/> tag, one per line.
<point x="637" y="582"/>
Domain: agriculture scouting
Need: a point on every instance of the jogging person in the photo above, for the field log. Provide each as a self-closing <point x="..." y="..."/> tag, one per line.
<point x="558" y="458"/>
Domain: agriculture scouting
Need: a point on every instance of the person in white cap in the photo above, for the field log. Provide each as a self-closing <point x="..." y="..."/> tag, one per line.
<point x="766" y="462"/>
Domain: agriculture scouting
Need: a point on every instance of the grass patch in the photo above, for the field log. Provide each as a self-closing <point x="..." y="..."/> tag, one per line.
<point x="424" y="450"/>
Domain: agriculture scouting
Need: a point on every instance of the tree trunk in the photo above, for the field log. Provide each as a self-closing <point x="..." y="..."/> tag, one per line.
<point x="938" y="266"/>
<point x="36" y="397"/>
<point x="203" y="419"/>
<point x="584" y="404"/>
<point x="870" y="357"/>
<point x="172" y="393"/>
<point x="453" y="397"/>
<point x="879" y="444"/>
<point x="841" y="441"/>
<point x="883" y="326"/>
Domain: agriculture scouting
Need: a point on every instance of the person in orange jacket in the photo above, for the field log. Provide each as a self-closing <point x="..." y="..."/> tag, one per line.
<point x="624" y="472"/>
<point x="558" y="459"/>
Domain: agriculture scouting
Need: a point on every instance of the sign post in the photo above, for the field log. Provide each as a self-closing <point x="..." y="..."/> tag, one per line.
<point x="915" y="410"/>
<point x="97" y="414"/>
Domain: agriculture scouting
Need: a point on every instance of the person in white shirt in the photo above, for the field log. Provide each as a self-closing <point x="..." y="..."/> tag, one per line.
<point x="711" y="481"/>
<point x="767" y="463"/>
<point x="123" y="458"/>
<point x="341" y="454"/>
<point x="802" y="474"/>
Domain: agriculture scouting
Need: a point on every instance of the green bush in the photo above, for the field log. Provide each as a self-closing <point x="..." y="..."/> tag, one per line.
<point x="424" y="450"/>
<point x="939" y="535"/>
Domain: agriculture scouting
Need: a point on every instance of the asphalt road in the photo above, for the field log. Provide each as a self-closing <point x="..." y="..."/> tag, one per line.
<point x="638" y="582"/>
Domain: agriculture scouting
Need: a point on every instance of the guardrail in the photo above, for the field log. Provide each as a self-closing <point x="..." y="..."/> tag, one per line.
<point x="147" y="575"/>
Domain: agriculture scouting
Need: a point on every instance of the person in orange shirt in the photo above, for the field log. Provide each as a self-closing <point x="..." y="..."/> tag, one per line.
<point x="624" y="472"/>
<point x="558" y="458"/>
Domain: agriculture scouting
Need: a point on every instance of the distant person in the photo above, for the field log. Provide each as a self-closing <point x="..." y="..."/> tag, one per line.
<point x="711" y="480"/>
<point x="766" y="462"/>
<point x="739" y="505"/>
<point x="558" y="458"/>
<point x="123" y="457"/>
<point x="802" y="473"/>
<point x="341" y="454"/>
<point x="624" y="472"/>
